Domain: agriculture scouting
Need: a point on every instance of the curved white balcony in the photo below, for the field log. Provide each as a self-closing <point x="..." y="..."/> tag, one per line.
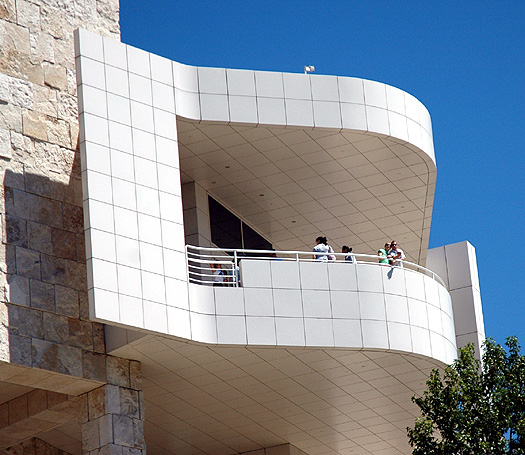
<point x="300" y="302"/>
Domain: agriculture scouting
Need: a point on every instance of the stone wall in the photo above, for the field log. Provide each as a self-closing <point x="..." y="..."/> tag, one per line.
<point x="46" y="338"/>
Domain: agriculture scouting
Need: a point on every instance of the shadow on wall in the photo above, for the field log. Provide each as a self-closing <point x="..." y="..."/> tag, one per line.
<point x="45" y="286"/>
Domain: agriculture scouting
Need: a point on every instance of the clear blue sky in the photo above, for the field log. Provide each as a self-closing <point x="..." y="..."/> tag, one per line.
<point x="463" y="60"/>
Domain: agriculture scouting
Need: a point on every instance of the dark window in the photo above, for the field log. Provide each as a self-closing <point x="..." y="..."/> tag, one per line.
<point x="228" y="231"/>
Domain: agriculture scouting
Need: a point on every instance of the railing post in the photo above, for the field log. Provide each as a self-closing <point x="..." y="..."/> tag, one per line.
<point x="234" y="271"/>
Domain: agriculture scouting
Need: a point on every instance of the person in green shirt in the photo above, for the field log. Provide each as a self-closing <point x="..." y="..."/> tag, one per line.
<point x="383" y="253"/>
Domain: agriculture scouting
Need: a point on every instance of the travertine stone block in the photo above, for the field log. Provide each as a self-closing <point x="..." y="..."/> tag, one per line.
<point x="6" y="150"/>
<point x="30" y="323"/>
<point x="124" y="432"/>
<point x="90" y="436"/>
<point x="66" y="302"/>
<point x="99" y="343"/>
<point x="129" y="403"/>
<point x="64" y="244"/>
<point x="135" y="369"/>
<point x="56" y="328"/>
<point x="94" y="366"/>
<point x="96" y="400"/>
<point x="28" y="263"/>
<point x="14" y="38"/>
<point x="39" y="237"/>
<point x="42" y="295"/>
<point x="54" y="270"/>
<point x="80" y="334"/>
<point x="59" y="358"/>
<point x="45" y="101"/>
<point x="73" y="219"/>
<point x="28" y="14"/>
<point x="18" y="291"/>
<point x="20" y="350"/>
<point x="34" y="125"/>
<point x="118" y="371"/>
<point x="11" y="118"/>
<point x="16" y="231"/>
<point x="42" y="48"/>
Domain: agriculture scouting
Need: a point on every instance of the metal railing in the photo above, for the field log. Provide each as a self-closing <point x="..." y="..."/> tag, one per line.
<point x="220" y="266"/>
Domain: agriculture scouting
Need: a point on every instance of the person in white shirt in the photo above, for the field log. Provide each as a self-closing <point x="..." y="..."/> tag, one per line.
<point x="396" y="255"/>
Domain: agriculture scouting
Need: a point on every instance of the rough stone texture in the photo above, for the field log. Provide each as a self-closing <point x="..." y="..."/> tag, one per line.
<point x="46" y="338"/>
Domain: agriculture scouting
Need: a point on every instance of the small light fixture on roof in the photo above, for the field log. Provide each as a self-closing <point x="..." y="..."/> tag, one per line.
<point x="309" y="69"/>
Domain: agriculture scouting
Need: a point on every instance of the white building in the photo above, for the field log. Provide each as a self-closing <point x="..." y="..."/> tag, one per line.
<point x="320" y="355"/>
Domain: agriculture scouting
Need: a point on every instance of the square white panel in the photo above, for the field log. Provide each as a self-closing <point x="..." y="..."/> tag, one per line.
<point x="93" y="101"/>
<point x="138" y="61"/>
<point x="342" y="276"/>
<point x="145" y="172"/>
<point x="327" y="114"/>
<point x="114" y="53"/>
<point x="417" y="312"/>
<point x="163" y="97"/>
<point x="169" y="179"/>
<point x="415" y="285"/>
<point x="161" y="69"/>
<point x="165" y="124"/>
<point x="258" y="302"/>
<point x="353" y="116"/>
<point x="177" y="293"/>
<point x="345" y="304"/>
<point x="98" y="186"/>
<point x="95" y="157"/>
<point x="375" y="334"/>
<point x="314" y="275"/>
<point x="351" y="90"/>
<point x="185" y="77"/>
<point x="229" y="301"/>
<point x="214" y="107"/>
<point x="102" y="244"/>
<point x="201" y="299"/>
<point x="397" y="309"/>
<point x="316" y="304"/>
<point x="151" y="258"/>
<point x="172" y="235"/>
<point x="147" y="201"/>
<point x="434" y="319"/>
<point x="287" y="303"/>
<point x="241" y="82"/>
<point x="100" y="215"/>
<point x="175" y="264"/>
<point x="269" y="85"/>
<point x="372" y="305"/>
<point x="140" y="89"/>
<point x="271" y="111"/>
<point x="149" y="229"/>
<point x="91" y="73"/>
<point x="369" y="277"/>
<point x="393" y="280"/>
<point x="431" y="291"/>
<point x="398" y="125"/>
<point x="95" y="129"/>
<point x="290" y="331"/>
<point x="243" y="109"/>
<point x="255" y="274"/>
<point x="122" y="165"/>
<point x="128" y="252"/>
<point x="203" y="327"/>
<point x="120" y="137"/>
<point x="261" y="331"/>
<point x="129" y="282"/>
<point x="142" y="116"/>
<point x="375" y="94"/>
<point x="131" y="311"/>
<point x="153" y="287"/>
<point x="231" y="329"/>
<point x="144" y="144"/>
<point x="106" y="305"/>
<point x="324" y="88"/>
<point x="437" y="342"/>
<point x="299" y="112"/>
<point x="212" y="80"/>
<point x="179" y="322"/>
<point x="104" y="275"/>
<point x="285" y="275"/>
<point x="91" y="44"/>
<point x="319" y="332"/>
<point x="155" y="317"/>
<point x="395" y="100"/>
<point x="297" y="86"/>
<point x="377" y="120"/>
<point x="124" y="194"/>
<point x="347" y="333"/>
<point x="188" y="104"/>
<point x="171" y="207"/>
<point x="399" y="337"/>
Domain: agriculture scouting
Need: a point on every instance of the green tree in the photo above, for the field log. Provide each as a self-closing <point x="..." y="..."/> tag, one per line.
<point x="476" y="408"/>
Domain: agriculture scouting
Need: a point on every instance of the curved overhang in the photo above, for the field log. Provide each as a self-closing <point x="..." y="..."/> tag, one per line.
<point x="295" y="155"/>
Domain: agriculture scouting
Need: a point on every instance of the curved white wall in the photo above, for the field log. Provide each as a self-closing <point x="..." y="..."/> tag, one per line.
<point x="334" y="305"/>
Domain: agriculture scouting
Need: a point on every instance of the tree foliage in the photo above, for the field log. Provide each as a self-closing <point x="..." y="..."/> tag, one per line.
<point x="476" y="408"/>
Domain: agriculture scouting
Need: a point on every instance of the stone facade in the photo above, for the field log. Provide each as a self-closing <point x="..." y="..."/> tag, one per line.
<point x="46" y="339"/>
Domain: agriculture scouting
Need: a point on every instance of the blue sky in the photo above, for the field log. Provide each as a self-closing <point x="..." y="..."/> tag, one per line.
<point x="463" y="60"/>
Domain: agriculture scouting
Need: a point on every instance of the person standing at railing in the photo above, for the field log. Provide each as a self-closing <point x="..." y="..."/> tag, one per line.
<point x="383" y="253"/>
<point x="348" y="251"/>
<point x="218" y="274"/>
<point x="396" y="254"/>
<point x="323" y="249"/>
